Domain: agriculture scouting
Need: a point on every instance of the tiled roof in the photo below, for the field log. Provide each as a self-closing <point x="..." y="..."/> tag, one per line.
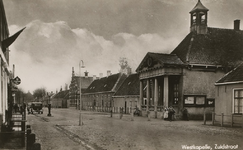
<point x="166" y="58"/>
<point x="130" y="86"/>
<point x="106" y="84"/>
<point x="217" y="47"/>
<point x="234" y="76"/>
<point x="61" y="94"/>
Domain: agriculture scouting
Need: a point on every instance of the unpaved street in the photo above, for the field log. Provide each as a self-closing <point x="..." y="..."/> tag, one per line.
<point x="100" y="131"/>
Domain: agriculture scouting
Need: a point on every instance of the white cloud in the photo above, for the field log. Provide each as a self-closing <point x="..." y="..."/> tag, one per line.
<point x="45" y="53"/>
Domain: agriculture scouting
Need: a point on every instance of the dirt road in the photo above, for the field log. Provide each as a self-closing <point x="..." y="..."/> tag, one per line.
<point x="100" y="131"/>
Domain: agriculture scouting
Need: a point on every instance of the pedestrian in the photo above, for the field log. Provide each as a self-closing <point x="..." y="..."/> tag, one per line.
<point x="185" y="114"/>
<point x="121" y="112"/>
<point x="171" y="113"/>
<point x="16" y="107"/>
<point x="166" y="114"/>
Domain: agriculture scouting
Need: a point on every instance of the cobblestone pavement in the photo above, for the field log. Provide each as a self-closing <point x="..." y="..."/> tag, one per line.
<point x="100" y="131"/>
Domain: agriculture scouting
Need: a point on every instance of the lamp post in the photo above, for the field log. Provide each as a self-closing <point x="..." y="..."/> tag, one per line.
<point x="81" y="65"/>
<point x="49" y="104"/>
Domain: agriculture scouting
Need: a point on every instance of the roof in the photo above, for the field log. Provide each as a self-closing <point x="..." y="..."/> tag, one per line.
<point x="159" y="58"/>
<point x="199" y="6"/>
<point x="217" y="47"/>
<point x="234" y="76"/>
<point x="130" y="86"/>
<point x="106" y="84"/>
<point x="61" y="94"/>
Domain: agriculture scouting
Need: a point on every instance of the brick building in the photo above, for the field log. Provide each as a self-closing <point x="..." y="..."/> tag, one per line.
<point x="74" y="88"/>
<point x="99" y="94"/>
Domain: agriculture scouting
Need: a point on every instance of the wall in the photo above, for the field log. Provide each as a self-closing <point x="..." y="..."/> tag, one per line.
<point x="120" y="101"/>
<point x="131" y="103"/>
<point x="57" y="103"/>
<point x="224" y="101"/>
<point x="88" y="99"/>
<point x="197" y="82"/>
<point x="200" y="82"/>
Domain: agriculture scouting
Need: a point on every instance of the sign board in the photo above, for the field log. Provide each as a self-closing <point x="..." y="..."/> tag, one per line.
<point x="17" y="80"/>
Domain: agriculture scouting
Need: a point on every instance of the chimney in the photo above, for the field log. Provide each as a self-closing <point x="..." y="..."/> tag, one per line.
<point x="108" y="73"/>
<point x="86" y="74"/>
<point x="237" y="25"/>
<point x="101" y="75"/>
<point x="129" y="70"/>
<point x="94" y="77"/>
<point x="73" y="74"/>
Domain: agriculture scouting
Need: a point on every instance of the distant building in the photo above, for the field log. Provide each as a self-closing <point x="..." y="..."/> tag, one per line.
<point x="229" y="95"/>
<point x="60" y="100"/>
<point x="98" y="95"/>
<point x="127" y="96"/>
<point x="74" y="88"/>
<point x="185" y="78"/>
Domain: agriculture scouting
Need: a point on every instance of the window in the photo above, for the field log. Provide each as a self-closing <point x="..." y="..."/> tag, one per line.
<point x="194" y="17"/>
<point x="238" y="101"/>
<point x="210" y="102"/>
<point x="189" y="100"/>
<point x="176" y="93"/>
<point x="202" y="17"/>
<point x="194" y="100"/>
<point x="200" y="100"/>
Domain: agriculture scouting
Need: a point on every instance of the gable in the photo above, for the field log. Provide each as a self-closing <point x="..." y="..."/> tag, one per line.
<point x="158" y="60"/>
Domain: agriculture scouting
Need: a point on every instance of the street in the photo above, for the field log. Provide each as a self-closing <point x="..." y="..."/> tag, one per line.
<point x="100" y="131"/>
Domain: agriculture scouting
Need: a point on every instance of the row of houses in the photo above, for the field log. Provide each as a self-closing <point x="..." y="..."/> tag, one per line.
<point x="8" y="80"/>
<point x="194" y="76"/>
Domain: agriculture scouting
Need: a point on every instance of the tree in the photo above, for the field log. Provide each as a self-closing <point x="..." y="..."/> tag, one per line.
<point x="28" y="97"/>
<point x="39" y="93"/>
<point x="125" y="68"/>
<point x="123" y="64"/>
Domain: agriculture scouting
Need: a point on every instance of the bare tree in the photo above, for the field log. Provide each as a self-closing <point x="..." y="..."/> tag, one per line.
<point x="123" y="64"/>
<point x="39" y="93"/>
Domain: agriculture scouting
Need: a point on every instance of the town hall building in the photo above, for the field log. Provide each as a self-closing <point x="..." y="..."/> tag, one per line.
<point x="184" y="79"/>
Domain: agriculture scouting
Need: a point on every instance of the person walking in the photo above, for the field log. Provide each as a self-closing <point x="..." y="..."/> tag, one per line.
<point x="166" y="114"/>
<point x="171" y="113"/>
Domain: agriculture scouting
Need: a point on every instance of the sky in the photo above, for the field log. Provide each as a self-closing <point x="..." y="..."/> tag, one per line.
<point x="61" y="33"/>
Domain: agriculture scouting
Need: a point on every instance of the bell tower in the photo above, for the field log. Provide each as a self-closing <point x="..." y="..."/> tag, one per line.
<point x="199" y="18"/>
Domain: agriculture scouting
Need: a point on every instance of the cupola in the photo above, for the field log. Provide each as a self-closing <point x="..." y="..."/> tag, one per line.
<point x="199" y="18"/>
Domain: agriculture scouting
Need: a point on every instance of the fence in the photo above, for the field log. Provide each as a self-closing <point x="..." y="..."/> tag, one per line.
<point x="126" y="110"/>
<point x="223" y="121"/>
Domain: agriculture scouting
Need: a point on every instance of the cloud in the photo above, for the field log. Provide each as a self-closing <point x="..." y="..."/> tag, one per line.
<point x="45" y="53"/>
